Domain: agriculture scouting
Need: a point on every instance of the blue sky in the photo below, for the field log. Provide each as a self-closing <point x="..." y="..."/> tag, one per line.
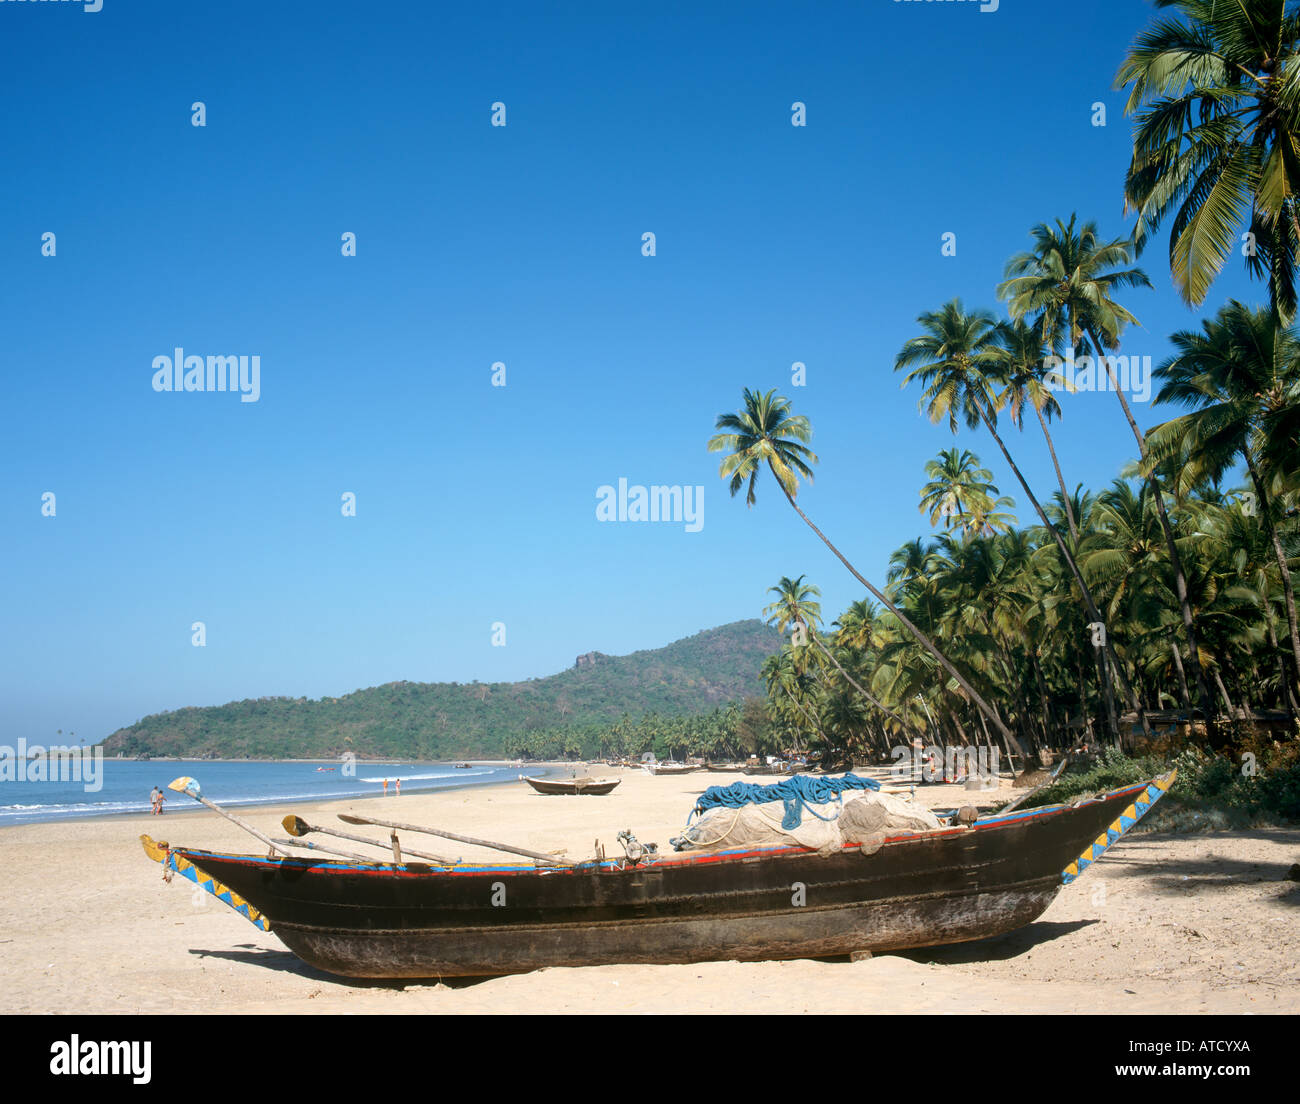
<point x="477" y="244"/>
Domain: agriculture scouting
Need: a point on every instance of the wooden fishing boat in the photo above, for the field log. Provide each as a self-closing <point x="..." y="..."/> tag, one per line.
<point x="673" y="768"/>
<point x="573" y="785"/>
<point x="405" y="919"/>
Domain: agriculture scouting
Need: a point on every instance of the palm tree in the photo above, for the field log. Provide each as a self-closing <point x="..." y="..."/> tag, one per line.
<point x="961" y="493"/>
<point x="952" y="360"/>
<point x="990" y="519"/>
<point x="1240" y="376"/>
<point x="1005" y="611"/>
<point x="857" y="626"/>
<point x="908" y="563"/>
<point x="1217" y="139"/>
<point x="857" y="635"/>
<point x="765" y="432"/>
<point x="1124" y="555"/>
<point x="794" y="605"/>
<point x="1244" y="555"/>
<point x="1065" y="283"/>
<point x="780" y="672"/>
<point x="978" y="599"/>
<point x="1030" y="379"/>
<point x="1124" y="561"/>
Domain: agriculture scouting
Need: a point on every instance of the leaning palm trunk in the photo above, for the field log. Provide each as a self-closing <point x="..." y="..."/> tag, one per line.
<point x="854" y="682"/>
<point x="1182" y="677"/>
<point x="1288" y="695"/>
<point x="1093" y="613"/>
<point x="1176" y="561"/>
<point x="1085" y="714"/>
<point x="1042" y="697"/>
<point x="1060" y="479"/>
<point x="1024" y="761"/>
<point x="1223" y="692"/>
<point x="920" y="637"/>
<point x="1103" y="676"/>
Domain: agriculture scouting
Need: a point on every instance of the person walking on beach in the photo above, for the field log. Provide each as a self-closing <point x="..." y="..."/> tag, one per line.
<point x="399" y="787"/>
<point x="158" y="797"/>
<point x="385" y="787"/>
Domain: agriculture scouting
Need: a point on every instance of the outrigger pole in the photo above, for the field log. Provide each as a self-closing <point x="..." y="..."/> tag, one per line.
<point x="296" y="826"/>
<point x="190" y="786"/>
<point x="347" y="819"/>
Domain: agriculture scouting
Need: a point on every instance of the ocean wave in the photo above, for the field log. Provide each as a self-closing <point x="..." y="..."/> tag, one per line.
<point x="418" y="777"/>
<point x="332" y="787"/>
<point x="93" y="807"/>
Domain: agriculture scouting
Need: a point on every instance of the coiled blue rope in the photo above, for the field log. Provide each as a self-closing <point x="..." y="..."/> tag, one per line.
<point x="796" y="792"/>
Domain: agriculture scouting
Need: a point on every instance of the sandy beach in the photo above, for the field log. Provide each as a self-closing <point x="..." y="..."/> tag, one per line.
<point x="1165" y="923"/>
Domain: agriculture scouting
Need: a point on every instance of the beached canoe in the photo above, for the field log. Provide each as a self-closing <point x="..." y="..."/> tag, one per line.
<point x="390" y="920"/>
<point x="673" y="768"/>
<point x="573" y="785"/>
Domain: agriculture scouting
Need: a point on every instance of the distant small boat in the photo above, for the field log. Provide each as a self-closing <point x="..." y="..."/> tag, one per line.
<point x="725" y="768"/>
<point x="464" y="766"/>
<point x="573" y="785"/>
<point x="320" y="769"/>
<point x="673" y="768"/>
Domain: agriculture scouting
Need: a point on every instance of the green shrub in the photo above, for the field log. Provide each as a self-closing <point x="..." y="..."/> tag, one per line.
<point x="1260" y="782"/>
<point x="1110" y="771"/>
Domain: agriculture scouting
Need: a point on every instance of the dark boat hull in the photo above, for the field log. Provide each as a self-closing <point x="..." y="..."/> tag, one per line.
<point x="577" y="786"/>
<point x="917" y="890"/>
<point x="491" y="950"/>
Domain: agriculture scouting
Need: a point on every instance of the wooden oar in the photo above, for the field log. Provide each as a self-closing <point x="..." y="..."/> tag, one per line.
<point x="190" y="787"/>
<point x="308" y="845"/>
<point x="296" y="826"/>
<point x="460" y="839"/>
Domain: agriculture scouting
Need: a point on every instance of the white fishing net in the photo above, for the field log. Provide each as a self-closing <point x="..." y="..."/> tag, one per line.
<point x="865" y="820"/>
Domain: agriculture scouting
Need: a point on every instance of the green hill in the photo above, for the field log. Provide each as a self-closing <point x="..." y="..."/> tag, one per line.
<point x="448" y="720"/>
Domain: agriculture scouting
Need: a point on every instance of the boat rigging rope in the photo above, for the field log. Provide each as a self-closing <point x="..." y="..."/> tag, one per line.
<point x="798" y="793"/>
<point x="693" y="843"/>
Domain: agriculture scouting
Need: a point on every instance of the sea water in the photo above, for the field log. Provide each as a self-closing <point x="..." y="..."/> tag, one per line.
<point x="127" y="783"/>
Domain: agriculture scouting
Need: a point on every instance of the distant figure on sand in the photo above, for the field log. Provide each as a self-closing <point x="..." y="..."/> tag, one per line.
<point x="385" y="787"/>
<point x="156" y="799"/>
<point x="399" y="787"/>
